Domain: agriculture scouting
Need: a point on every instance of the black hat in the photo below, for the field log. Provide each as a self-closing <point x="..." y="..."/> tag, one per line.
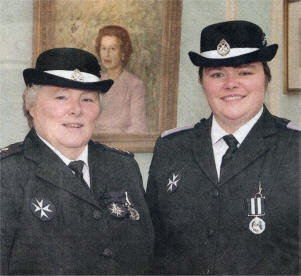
<point x="67" y="67"/>
<point x="232" y="43"/>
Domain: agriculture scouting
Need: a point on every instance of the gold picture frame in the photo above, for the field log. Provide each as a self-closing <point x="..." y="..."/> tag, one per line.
<point x="161" y="106"/>
<point x="292" y="46"/>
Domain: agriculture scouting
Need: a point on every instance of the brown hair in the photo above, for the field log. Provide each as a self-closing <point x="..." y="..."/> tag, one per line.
<point x="266" y="70"/>
<point x="123" y="36"/>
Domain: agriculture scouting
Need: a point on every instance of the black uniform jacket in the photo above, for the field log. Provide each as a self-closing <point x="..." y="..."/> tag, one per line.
<point x="51" y="223"/>
<point x="202" y="224"/>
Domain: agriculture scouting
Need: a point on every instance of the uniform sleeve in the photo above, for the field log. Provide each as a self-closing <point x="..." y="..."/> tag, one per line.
<point x="152" y="191"/>
<point x="10" y="198"/>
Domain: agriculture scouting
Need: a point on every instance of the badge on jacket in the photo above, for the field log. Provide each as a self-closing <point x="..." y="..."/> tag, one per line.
<point x="42" y="208"/>
<point x="256" y="210"/>
<point x="174" y="180"/>
<point x="119" y="205"/>
<point x="172" y="184"/>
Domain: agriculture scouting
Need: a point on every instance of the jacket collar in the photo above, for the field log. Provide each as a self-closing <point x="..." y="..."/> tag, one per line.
<point x="259" y="140"/>
<point x="53" y="170"/>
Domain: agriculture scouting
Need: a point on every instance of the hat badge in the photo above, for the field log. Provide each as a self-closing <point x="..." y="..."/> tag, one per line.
<point x="77" y="75"/>
<point x="223" y="48"/>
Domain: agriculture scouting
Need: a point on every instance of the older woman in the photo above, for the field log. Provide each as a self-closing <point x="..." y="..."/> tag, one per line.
<point x="125" y="102"/>
<point x="70" y="205"/>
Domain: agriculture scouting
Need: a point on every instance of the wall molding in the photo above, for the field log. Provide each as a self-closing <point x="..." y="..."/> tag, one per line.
<point x="276" y="65"/>
<point x="231" y="9"/>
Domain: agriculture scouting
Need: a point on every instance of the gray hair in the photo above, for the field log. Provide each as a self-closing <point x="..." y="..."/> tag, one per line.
<point x="30" y="97"/>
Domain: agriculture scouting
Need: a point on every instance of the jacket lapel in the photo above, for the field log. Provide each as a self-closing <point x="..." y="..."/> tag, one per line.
<point x="53" y="170"/>
<point x="99" y="172"/>
<point x="258" y="142"/>
<point x="202" y="150"/>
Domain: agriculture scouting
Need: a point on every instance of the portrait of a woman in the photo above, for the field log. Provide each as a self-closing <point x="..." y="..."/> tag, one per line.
<point x="124" y="110"/>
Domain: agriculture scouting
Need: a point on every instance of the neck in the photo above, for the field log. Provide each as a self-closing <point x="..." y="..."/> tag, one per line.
<point x="72" y="154"/>
<point x="230" y="126"/>
<point x="115" y="73"/>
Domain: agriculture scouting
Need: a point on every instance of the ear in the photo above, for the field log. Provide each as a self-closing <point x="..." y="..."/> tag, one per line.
<point x="32" y="111"/>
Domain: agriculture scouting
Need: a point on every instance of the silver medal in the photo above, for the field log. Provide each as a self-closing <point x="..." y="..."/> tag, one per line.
<point x="256" y="210"/>
<point x="257" y="225"/>
<point x="134" y="214"/>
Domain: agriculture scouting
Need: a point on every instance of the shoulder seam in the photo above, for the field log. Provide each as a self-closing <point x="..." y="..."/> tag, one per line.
<point x="116" y="150"/>
<point x="176" y="130"/>
<point x="293" y="126"/>
<point x="10" y="150"/>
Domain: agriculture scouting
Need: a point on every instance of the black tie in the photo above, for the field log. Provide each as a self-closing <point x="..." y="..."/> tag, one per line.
<point x="232" y="144"/>
<point x="77" y="167"/>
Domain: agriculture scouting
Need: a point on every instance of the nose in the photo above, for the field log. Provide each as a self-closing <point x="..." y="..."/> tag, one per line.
<point x="107" y="52"/>
<point x="231" y="82"/>
<point x="75" y="107"/>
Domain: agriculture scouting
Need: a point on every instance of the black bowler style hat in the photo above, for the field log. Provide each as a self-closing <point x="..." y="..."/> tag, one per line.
<point x="232" y="43"/>
<point x="67" y="67"/>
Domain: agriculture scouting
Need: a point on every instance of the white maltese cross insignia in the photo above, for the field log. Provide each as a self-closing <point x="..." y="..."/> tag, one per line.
<point x="43" y="209"/>
<point x="173" y="183"/>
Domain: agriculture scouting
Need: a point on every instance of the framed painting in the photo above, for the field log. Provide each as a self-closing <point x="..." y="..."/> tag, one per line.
<point x="155" y="38"/>
<point x="292" y="45"/>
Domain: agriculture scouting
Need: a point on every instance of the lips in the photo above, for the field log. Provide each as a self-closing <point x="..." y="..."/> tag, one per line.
<point x="73" y="125"/>
<point x="231" y="98"/>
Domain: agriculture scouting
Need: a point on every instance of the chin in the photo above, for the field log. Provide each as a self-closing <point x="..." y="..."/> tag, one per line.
<point x="76" y="144"/>
<point x="234" y="114"/>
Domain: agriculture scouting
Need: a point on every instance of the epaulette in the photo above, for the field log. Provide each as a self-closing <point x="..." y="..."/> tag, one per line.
<point x="294" y="126"/>
<point x="285" y="123"/>
<point x="175" y="130"/>
<point x="202" y="123"/>
<point x="10" y="150"/>
<point x="124" y="152"/>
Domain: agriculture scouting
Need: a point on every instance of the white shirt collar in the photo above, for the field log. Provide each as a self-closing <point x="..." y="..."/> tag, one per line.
<point x="83" y="156"/>
<point x="217" y="132"/>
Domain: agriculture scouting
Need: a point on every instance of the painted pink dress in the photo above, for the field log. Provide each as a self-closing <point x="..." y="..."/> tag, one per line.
<point x="124" y="106"/>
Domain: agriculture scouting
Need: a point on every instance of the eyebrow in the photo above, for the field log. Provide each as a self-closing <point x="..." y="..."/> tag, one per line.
<point x="249" y="65"/>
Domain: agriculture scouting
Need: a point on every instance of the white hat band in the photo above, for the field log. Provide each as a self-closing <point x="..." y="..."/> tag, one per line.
<point x="234" y="52"/>
<point x="75" y="75"/>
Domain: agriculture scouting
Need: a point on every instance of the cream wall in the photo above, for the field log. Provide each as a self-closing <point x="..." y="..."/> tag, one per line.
<point x="15" y="55"/>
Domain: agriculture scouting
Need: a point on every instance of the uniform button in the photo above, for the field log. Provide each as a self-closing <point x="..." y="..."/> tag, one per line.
<point x="107" y="252"/>
<point x="215" y="194"/>
<point x="97" y="214"/>
<point x="210" y="233"/>
<point x="208" y="271"/>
